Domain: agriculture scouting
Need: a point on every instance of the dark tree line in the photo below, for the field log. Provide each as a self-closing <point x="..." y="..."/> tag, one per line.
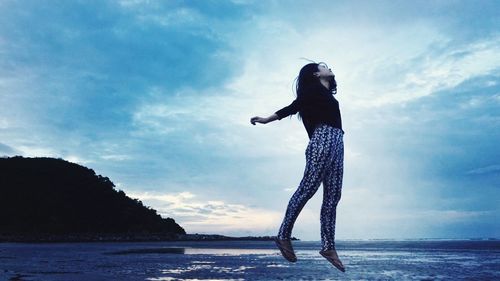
<point x="48" y="195"/>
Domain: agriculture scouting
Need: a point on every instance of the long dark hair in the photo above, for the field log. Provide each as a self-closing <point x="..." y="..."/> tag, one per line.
<point x="307" y="82"/>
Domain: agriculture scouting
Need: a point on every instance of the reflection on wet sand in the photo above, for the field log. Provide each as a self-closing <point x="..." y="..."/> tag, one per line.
<point x="177" y="279"/>
<point x="194" y="251"/>
<point x="165" y="250"/>
<point x="201" y="266"/>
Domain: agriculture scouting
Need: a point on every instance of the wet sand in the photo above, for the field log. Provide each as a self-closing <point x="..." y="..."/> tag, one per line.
<point x="249" y="260"/>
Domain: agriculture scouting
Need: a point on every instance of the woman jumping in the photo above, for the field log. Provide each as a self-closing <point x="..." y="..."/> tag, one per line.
<point x="320" y="114"/>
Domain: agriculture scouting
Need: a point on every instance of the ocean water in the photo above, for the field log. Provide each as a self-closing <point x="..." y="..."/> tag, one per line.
<point x="250" y="260"/>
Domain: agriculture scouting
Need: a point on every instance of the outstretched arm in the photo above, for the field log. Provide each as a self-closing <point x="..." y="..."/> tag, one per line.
<point x="280" y="114"/>
<point x="263" y="120"/>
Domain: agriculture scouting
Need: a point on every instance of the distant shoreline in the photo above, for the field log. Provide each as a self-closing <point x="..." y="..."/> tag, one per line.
<point x="124" y="237"/>
<point x="170" y="237"/>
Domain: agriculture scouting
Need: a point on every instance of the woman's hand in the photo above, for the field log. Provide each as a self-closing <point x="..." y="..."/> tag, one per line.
<point x="258" y="119"/>
<point x="263" y="120"/>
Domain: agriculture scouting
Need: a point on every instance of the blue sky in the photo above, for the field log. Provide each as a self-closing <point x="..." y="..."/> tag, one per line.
<point x="157" y="95"/>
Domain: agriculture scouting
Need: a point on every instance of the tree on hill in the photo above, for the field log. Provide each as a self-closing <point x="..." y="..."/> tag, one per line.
<point x="48" y="195"/>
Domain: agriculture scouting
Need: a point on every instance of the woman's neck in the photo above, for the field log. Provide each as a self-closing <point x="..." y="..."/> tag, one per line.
<point x="325" y="83"/>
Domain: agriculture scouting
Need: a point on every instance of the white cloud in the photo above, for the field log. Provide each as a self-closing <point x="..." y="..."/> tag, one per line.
<point x="78" y="160"/>
<point x="4" y="123"/>
<point x="484" y="170"/>
<point x="175" y="17"/>
<point x="211" y="216"/>
<point x="365" y="212"/>
<point x="34" y="151"/>
<point x="448" y="216"/>
<point x="116" y="157"/>
<point x="446" y="70"/>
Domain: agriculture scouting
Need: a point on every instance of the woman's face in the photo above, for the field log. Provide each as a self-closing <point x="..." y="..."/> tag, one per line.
<point x="324" y="71"/>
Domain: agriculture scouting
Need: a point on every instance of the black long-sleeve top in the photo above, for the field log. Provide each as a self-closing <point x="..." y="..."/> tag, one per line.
<point x="318" y="106"/>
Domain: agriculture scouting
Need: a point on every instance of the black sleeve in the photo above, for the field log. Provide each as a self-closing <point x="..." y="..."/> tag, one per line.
<point x="291" y="109"/>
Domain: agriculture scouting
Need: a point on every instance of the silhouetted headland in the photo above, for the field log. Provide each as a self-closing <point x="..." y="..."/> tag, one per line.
<point x="52" y="200"/>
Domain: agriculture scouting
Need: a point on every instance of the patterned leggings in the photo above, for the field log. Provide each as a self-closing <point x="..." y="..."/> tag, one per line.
<point x="324" y="163"/>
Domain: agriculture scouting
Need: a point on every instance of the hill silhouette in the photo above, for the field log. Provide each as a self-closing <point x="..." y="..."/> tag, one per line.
<point x="48" y="196"/>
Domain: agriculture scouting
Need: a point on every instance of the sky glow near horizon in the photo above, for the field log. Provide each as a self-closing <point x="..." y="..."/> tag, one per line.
<point x="157" y="96"/>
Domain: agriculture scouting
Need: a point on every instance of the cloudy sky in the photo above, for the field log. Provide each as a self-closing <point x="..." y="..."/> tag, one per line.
<point x="157" y="95"/>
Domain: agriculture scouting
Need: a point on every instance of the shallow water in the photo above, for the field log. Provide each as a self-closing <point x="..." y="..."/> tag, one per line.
<point x="249" y="260"/>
